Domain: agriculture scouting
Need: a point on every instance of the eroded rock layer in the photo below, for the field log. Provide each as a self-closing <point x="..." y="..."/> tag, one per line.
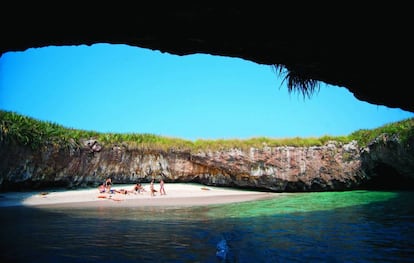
<point x="334" y="166"/>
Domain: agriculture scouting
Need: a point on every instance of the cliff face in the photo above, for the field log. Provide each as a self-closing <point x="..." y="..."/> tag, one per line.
<point x="334" y="166"/>
<point x="389" y="163"/>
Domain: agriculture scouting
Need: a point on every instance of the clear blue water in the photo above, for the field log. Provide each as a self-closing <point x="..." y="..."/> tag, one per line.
<point x="355" y="226"/>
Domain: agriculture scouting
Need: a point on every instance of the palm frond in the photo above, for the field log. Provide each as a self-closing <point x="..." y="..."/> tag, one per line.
<point x="296" y="81"/>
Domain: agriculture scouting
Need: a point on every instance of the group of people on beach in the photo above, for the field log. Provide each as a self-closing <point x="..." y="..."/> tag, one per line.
<point x="106" y="187"/>
<point x="152" y="188"/>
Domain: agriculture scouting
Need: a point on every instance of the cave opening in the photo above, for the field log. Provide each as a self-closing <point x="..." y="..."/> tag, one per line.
<point x="386" y="177"/>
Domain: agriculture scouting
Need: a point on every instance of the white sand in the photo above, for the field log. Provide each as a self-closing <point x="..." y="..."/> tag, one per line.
<point x="177" y="194"/>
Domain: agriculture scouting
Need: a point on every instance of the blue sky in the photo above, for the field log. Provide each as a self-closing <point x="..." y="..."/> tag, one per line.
<point x="123" y="89"/>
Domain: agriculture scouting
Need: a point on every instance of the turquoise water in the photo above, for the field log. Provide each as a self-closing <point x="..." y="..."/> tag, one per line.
<point x="300" y="202"/>
<point x="354" y="226"/>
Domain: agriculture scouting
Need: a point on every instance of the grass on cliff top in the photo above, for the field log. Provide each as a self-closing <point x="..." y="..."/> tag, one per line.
<point x="16" y="128"/>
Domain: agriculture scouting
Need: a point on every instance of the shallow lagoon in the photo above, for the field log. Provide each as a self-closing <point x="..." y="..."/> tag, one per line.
<point x="354" y="226"/>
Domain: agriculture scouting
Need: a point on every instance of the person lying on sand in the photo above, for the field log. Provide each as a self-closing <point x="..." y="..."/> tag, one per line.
<point x="123" y="191"/>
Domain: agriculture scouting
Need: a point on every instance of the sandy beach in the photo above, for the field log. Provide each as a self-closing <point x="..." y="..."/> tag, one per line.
<point x="177" y="194"/>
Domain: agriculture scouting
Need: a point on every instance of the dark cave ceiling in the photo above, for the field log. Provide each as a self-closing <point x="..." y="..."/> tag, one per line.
<point x="365" y="50"/>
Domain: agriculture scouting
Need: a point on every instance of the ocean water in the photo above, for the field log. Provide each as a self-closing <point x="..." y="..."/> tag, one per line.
<point x="354" y="226"/>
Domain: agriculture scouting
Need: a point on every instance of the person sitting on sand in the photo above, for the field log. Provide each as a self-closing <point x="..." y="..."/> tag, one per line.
<point x="138" y="188"/>
<point x="108" y="185"/>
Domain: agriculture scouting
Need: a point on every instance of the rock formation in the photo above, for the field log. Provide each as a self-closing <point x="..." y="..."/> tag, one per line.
<point x="333" y="166"/>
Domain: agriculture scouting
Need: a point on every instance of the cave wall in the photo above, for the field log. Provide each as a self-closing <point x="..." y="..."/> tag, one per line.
<point x="333" y="166"/>
<point x="389" y="163"/>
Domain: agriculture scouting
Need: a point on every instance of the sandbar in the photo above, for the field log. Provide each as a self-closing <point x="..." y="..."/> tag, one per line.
<point x="177" y="194"/>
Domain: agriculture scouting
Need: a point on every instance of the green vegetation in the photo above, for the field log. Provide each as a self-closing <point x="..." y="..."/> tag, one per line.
<point x="19" y="129"/>
<point x="404" y="129"/>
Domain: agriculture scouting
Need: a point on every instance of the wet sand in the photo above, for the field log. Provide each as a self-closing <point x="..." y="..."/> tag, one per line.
<point x="177" y="194"/>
